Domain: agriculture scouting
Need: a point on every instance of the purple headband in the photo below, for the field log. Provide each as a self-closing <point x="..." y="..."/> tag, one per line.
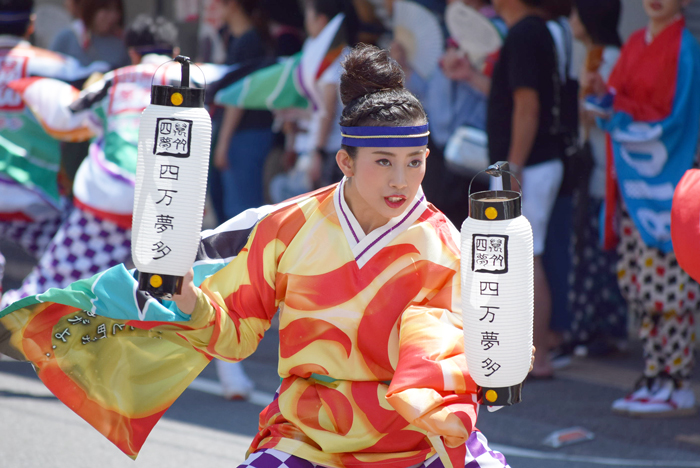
<point x="15" y="16"/>
<point x="385" y="137"/>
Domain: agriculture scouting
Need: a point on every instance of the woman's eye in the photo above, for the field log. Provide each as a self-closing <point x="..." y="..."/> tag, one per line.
<point x="415" y="163"/>
<point x="384" y="162"/>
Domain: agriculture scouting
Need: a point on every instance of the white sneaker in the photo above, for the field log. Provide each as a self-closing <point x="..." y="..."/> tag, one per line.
<point x="670" y="400"/>
<point x="234" y="382"/>
<point x="643" y="393"/>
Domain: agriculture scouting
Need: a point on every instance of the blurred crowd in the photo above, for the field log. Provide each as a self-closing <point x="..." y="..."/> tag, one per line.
<point x="603" y="258"/>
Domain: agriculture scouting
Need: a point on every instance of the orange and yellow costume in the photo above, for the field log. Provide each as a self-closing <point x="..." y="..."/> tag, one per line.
<point x="371" y="349"/>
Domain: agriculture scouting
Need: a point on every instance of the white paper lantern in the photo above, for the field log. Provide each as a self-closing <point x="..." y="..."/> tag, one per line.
<point x="497" y="295"/>
<point x="171" y="182"/>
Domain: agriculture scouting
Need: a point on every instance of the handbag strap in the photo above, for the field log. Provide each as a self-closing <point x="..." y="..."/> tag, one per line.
<point x="559" y="83"/>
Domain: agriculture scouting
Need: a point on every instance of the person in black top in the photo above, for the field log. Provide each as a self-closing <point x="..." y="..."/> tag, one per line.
<point x="244" y="137"/>
<point x="522" y="130"/>
<point x="243" y="140"/>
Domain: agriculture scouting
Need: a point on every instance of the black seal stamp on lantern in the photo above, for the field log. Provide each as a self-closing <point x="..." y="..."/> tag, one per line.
<point x="173" y="137"/>
<point x="490" y="253"/>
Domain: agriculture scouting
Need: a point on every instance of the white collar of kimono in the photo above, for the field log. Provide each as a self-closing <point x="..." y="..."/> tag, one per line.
<point x="11" y="41"/>
<point x="365" y="246"/>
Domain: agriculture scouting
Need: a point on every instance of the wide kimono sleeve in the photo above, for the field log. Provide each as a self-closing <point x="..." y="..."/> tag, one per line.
<point x="64" y="112"/>
<point x="432" y="388"/>
<point x="235" y="306"/>
<point x="119" y="358"/>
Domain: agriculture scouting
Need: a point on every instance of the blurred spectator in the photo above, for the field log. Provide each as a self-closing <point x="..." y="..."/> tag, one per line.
<point x="652" y="116"/>
<point x="244" y="137"/>
<point x="210" y="44"/>
<point x="455" y="95"/>
<point x="30" y="201"/>
<point x="96" y="33"/>
<point x="557" y="255"/>
<point x="324" y="131"/>
<point x="519" y="126"/>
<point x="317" y="138"/>
<point x="286" y="23"/>
<point x="50" y="20"/>
<point x="599" y="324"/>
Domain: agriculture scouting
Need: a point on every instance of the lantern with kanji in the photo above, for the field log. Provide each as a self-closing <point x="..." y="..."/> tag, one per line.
<point x="497" y="292"/>
<point x="171" y="181"/>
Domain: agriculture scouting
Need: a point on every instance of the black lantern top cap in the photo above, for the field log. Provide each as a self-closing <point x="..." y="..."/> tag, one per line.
<point x="179" y="96"/>
<point x="496" y="205"/>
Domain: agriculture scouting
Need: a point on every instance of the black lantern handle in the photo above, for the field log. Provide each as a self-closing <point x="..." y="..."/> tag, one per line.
<point x="497" y="170"/>
<point x="185" y="70"/>
<point x="185" y="63"/>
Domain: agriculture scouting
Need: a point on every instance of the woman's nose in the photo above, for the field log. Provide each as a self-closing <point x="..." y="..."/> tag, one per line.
<point x="398" y="179"/>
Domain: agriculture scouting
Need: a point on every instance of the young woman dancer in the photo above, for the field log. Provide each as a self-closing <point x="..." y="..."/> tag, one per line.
<point x="365" y="276"/>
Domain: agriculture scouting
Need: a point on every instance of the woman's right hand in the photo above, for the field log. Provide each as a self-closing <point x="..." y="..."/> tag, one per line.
<point x="187" y="298"/>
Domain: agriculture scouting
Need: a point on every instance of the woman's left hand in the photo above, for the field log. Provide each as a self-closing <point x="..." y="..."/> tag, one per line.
<point x="532" y="359"/>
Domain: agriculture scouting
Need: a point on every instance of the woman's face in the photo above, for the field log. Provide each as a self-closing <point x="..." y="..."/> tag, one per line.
<point x="313" y="22"/>
<point x="662" y="10"/>
<point x="106" y="20"/>
<point x="384" y="182"/>
<point x="577" y="28"/>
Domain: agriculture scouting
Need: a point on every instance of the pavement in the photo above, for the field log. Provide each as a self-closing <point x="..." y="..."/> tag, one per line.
<point x="203" y="429"/>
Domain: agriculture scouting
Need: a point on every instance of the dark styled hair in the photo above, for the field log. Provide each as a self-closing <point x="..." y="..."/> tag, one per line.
<point x="373" y="93"/>
<point x="601" y="19"/>
<point x="151" y="35"/>
<point x="88" y="10"/>
<point x="15" y="28"/>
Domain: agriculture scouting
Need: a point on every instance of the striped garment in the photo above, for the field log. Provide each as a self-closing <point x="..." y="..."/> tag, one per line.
<point x="371" y="343"/>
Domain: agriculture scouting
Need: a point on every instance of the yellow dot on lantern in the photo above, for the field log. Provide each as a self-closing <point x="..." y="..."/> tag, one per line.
<point x="491" y="212"/>
<point x="176" y="99"/>
<point x="156" y="281"/>
<point x="491" y="395"/>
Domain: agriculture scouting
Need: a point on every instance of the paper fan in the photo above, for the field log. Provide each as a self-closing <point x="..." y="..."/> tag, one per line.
<point x="475" y="33"/>
<point x="418" y="31"/>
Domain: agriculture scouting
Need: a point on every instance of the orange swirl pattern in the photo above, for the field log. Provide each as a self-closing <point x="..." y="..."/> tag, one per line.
<point x="344" y="332"/>
<point x="371" y="358"/>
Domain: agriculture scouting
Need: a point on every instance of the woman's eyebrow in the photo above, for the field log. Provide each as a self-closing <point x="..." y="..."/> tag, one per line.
<point x="385" y="153"/>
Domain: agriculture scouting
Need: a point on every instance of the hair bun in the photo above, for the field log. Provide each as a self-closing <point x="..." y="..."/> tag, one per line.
<point x="369" y="69"/>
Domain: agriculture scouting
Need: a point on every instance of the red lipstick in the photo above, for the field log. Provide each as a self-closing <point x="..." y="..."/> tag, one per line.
<point x="395" y="201"/>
